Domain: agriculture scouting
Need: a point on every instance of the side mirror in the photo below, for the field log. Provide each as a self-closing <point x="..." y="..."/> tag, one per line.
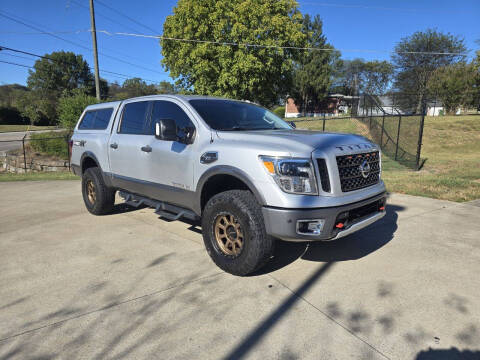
<point x="292" y="123"/>
<point x="166" y="129"/>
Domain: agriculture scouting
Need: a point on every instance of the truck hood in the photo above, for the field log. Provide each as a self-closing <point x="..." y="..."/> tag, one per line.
<point x="296" y="142"/>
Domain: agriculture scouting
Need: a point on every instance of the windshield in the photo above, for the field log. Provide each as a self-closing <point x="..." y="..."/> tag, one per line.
<point x="230" y="115"/>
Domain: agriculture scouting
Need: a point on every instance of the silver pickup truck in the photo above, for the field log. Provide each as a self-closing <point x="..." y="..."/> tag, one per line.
<point x="246" y="174"/>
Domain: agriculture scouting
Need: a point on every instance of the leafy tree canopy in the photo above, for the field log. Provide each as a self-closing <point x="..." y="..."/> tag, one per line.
<point x="133" y="87"/>
<point x="415" y="64"/>
<point x="39" y="107"/>
<point x="10" y="93"/>
<point x="61" y="72"/>
<point x="313" y="68"/>
<point x="259" y="74"/>
<point x="360" y="76"/>
<point x="454" y="85"/>
<point x="165" y="87"/>
<point x="71" y="107"/>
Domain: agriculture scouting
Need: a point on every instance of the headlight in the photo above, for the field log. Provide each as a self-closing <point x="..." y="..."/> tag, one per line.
<point x="295" y="176"/>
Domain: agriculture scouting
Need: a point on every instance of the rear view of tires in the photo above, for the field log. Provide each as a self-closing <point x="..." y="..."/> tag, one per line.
<point x="98" y="198"/>
<point x="234" y="232"/>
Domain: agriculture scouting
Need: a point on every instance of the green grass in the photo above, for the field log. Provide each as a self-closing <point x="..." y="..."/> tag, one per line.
<point x="50" y="143"/>
<point x="334" y="125"/>
<point x="451" y="147"/>
<point x="38" y="176"/>
<point x="8" y="128"/>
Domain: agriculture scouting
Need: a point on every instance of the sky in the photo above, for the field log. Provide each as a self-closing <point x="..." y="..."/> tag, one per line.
<point x="367" y="29"/>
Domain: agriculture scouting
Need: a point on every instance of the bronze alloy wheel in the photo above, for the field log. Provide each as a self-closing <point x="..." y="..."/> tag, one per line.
<point x="228" y="234"/>
<point x="92" y="195"/>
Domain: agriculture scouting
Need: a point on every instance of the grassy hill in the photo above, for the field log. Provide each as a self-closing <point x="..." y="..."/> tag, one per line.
<point x="451" y="146"/>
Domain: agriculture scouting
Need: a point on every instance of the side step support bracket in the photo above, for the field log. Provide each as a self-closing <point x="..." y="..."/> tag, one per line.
<point x="163" y="209"/>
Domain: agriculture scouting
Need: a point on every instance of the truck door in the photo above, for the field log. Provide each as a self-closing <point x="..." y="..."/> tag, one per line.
<point x="126" y="146"/>
<point x="171" y="163"/>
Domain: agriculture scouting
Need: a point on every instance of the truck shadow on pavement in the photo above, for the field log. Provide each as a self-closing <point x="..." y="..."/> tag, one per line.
<point x="447" y="354"/>
<point x="352" y="247"/>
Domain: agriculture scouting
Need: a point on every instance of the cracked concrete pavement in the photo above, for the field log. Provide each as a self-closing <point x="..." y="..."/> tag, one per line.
<point x="130" y="285"/>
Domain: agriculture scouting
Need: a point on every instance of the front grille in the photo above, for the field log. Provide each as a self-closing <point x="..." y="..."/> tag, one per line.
<point x="349" y="170"/>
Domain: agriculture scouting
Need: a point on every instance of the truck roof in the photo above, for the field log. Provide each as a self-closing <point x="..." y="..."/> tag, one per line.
<point x="178" y="96"/>
<point x="158" y="97"/>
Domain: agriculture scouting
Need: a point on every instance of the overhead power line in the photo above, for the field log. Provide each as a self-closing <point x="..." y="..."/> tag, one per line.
<point x="228" y="43"/>
<point x="77" y="44"/>
<point x="102" y="15"/>
<point x="56" y="60"/>
<point x="127" y="17"/>
<point x="17" y="64"/>
<point x="17" y="56"/>
<point x="43" y="32"/>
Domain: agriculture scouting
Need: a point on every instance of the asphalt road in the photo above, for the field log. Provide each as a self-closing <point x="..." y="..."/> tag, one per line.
<point x="12" y="140"/>
<point x="129" y="285"/>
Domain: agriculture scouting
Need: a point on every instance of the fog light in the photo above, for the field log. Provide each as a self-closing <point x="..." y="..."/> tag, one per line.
<point x="310" y="227"/>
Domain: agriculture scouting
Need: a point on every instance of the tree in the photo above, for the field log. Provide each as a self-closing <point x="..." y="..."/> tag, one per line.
<point x="476" y="83"/>
<point x="135" y="87"/>
<point x="376" y="76"/>
<point x="454" y="85"/>
<point x="312" y="73"/>
<point x="9" y="95"/>
<point x="257" y="73"/>
<point x="71" y="107"/>
<point x="39" y="107"/>
<point x="56" y="75"/>
<point x="165" y="87"/>
<point x="61" y="72"/>
<point x="418" y="56"/>
<point x="360" y="76"/>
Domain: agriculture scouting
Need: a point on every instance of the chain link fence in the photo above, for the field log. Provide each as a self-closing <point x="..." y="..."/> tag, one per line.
<point x="35" y="152"/>
<point x="397" y="135"/>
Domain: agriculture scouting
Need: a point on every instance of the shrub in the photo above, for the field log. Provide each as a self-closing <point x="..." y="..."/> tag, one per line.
<point x="71" y="107"/>
<point x="279" y="111"/>
<point x="51" y="143"/>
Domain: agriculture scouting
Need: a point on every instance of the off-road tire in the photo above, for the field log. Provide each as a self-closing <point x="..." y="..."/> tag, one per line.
<point x="104" y="196"/>
<point x="257" y="246"/>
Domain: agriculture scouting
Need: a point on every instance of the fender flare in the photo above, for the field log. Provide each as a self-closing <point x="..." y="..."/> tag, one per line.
<point x="106" y="176"/>
<point x="225" y="170"/>
<point x="88" y="154"/>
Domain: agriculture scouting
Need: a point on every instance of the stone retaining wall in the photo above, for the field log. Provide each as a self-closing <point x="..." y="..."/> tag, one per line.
<point x="15" y="164"/>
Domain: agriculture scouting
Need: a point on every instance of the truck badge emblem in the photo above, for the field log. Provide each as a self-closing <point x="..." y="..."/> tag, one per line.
<point x="364" y="169"/>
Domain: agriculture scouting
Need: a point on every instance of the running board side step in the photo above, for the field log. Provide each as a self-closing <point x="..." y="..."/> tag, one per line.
<point x="163" y="209"/>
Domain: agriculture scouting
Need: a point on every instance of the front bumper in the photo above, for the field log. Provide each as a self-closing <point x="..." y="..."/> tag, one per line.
<point x="282" y="223"/>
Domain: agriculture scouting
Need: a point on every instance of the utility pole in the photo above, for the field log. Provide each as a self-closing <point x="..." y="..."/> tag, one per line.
<point x="95" y="53"/>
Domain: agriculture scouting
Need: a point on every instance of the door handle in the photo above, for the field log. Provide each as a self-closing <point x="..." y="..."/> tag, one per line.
<point x="146" y="148"/>
<point x="114" y="145"/>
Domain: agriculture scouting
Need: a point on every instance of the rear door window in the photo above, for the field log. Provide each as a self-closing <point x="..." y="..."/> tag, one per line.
<point x="96" y="119"/>
<point x="135" y="118"/>
<point x="102" y="118"/>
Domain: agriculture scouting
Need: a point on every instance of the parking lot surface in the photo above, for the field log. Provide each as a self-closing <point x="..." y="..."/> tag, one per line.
<point x="130" y="285"/>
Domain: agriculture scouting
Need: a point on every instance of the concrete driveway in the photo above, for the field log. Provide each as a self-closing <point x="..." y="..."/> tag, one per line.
<point x="129" y="285"/>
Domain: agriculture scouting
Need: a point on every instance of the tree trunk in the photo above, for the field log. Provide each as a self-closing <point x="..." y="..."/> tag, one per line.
<point x="419" y="108"/>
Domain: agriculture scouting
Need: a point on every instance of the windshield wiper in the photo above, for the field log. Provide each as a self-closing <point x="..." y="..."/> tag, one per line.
<point x="242" y="128"/>
<point x="236" y="128"/>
